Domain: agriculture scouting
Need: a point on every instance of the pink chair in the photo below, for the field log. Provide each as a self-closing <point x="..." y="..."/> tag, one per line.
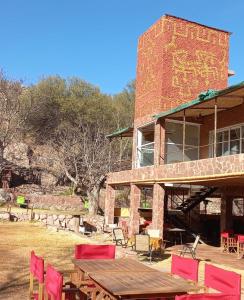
<point x="36" y="274"/>
<point x="85" y="251"/>
<point x="224" y="236"/>
<point x="206" y="297"/>
<point x="224" y="281"/>
<point x="54" y="289"/>
<point x="186" y="268"/>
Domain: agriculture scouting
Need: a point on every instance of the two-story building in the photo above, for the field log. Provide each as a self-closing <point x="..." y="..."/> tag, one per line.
<point x="188" y="125"/>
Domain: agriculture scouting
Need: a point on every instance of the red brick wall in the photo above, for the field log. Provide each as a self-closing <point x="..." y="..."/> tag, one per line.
<point x="178" y="59"/>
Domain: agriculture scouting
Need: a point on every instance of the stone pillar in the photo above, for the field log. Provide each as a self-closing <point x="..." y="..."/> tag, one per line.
<point x="158" y="207"/>
<point x="135" y="197"/>
<point x="109" y="204"/>
<point x="226" y="218"/>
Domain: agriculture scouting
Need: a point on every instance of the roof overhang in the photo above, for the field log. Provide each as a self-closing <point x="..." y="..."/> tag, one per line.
<point x="204" y="105"/>
<point x="122" y="132"/>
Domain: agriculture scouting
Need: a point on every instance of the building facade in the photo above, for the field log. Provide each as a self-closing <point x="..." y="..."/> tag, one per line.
<point x="188" y="125"/>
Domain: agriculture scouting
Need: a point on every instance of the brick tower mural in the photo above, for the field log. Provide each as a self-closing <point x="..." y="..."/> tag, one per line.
<point x="178" y="59"/>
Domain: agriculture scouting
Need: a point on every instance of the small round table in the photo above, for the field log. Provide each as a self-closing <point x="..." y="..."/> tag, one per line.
<point x="177" y="231"/>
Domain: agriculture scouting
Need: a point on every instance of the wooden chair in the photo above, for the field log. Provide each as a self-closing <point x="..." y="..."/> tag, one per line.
<point x="54" y="289"/>
<point x="87" y="251"/>
<point x="191" y="249"/>
<point x="224" y="238"/>
<point x="206" y="297"/>
<point x="186" y="268"/>
<point x="36" y="275"/>
<point x="232" y="244"/>
<point x="240" y="246"/>
<point x="224" y="281"/>
<point x="119" y="237"/>
<point x="142" y="244"/>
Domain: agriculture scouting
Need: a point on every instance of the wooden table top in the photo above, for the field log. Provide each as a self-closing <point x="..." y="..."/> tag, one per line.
<point x="110" y="265"/>
<point x="143" y="284"/>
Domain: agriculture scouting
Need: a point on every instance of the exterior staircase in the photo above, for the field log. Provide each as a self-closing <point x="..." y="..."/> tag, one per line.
<point x="196" y="199"/>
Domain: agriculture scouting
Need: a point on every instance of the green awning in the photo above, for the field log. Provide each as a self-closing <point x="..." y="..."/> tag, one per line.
<point x="202" y="98"/>
<point x="121" y="132"/>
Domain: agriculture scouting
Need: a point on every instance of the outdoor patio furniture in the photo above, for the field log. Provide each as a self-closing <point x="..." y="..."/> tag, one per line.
<point x="232" y="244"/>
<point x="54" y="288"/>
<point x="224" y="281"/>
<point x="190" y="249"/>
<point x="223" y="238"/>
<point x="119" y="237"/>
<point x="186" y="268"/>
<point x="177" y="234"/>
<point x="127" y="278"/>
<point x="142" y="244"/>
<point x="206" y="297"/>
<point x="153" y="233"/>
<point x="240" y="246"/>
<point x="87" y="251"/>
<point x="36" y="275"/>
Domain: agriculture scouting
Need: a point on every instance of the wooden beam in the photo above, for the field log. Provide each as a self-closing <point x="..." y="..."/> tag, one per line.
<point x="215" y="126"/>
<point x="184" y="134"/>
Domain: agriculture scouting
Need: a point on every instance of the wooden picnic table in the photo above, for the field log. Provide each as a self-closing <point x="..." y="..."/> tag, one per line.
<point x="127" y="278"/>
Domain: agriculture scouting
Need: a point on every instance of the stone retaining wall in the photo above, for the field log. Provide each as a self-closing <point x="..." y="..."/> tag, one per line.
<point x="55" y="202"/>
<point x="58" y="221"/>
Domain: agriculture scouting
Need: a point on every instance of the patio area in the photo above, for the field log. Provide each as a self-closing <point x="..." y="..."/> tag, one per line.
<point x="18" y="239"/>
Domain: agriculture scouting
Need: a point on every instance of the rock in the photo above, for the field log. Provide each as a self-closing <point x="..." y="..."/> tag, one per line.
<point x="49" y="220"/>
<point x="4" y="196"/>
<point x="4" y="216"/>
<point x="17" y="153"/>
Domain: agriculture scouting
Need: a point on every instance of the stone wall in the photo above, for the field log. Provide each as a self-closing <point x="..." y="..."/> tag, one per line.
<point x="55" y="202"/>
<point x="191" y="170"/>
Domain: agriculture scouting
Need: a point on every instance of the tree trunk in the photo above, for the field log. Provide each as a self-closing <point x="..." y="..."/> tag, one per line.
<point x="93" y="200"/>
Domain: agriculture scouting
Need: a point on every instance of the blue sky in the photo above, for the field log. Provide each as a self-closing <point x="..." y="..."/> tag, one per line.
<point x="96" y="40"/>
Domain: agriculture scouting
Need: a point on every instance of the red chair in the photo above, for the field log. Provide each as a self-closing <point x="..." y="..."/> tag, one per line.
<point x="36" y="274"/>
<point x="54" y="289"/>
<point x="224" y="281"/>
<point x="85" y="251"/>
<point x="240" y="246"/>
<point x="206" y="297"/>
<point x="224" y="236"/>
<point x="186" y="268"/>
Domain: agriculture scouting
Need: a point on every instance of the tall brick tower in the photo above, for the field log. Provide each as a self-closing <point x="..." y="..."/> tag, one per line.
<point x="178" y="59"/>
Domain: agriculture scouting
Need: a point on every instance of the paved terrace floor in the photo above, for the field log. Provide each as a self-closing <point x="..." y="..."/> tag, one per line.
<point x="19" y="238"/>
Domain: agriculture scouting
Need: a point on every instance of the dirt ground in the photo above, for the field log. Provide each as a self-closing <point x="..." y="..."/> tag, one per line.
<point x="17" y="240"/>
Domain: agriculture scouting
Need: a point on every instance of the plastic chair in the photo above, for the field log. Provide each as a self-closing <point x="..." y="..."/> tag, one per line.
<point x="224" y="281"/>
<point x="54" y="289"/>
<point x="186" y="268"/>
<point x="86" y="251"/>
<point x="36" y="274"/>
<point x="206" y="297"/>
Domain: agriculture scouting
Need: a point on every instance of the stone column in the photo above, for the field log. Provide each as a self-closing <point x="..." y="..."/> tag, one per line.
<point x="135" y="197"/>
<point x="109" y="204"/>
<point x="226" y="219"/>
<point x="158" y="207"/>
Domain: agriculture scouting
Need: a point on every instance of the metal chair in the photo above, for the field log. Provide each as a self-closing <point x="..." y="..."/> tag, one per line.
<point x="119" y="237"/>
<point x="191" y="249"/>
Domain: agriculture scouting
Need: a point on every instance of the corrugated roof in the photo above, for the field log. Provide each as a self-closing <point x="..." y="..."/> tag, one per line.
<point x="123" y="132"/>
<point x="203" y="97"/>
